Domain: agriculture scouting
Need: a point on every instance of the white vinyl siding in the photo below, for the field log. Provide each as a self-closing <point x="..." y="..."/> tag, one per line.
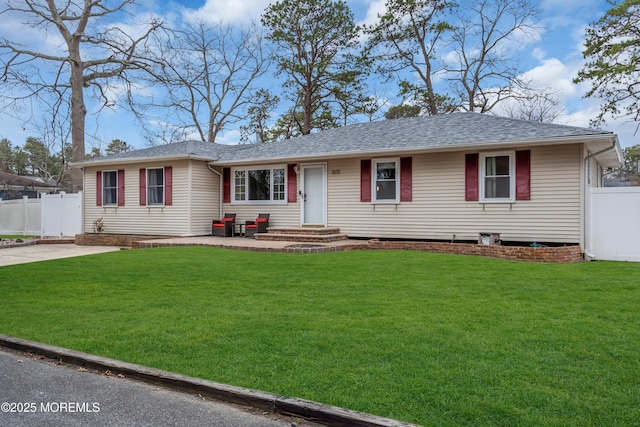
<point x="287" y="215"/>
<point x="205" y="198"/>
<point x="193" y="207"/>
<point x="439" y="211"/>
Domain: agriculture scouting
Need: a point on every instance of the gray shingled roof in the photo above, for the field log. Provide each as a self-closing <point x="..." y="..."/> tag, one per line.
<point x="10" y="180"/>
<point x="195" y="149"/>
<point x="451" y="131"/>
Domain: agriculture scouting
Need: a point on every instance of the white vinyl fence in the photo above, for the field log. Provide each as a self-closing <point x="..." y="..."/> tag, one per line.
<point x="53" y="215"/>
<point x="20" y="217"/>
<point x="615" y="223"/>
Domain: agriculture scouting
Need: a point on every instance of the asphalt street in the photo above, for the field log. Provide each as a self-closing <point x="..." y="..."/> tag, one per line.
<point x="40" y="392"/>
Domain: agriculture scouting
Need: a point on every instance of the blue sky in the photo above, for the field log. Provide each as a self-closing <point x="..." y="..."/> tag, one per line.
<point x="551" y="62"/>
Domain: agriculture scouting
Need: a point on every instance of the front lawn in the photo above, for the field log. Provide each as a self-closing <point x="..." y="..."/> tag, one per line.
<point x="427" y="338"/>
<point x="14" y="237"/>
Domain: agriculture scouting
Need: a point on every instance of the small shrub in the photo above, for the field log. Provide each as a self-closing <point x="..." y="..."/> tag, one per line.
<point x="98" y="225"/>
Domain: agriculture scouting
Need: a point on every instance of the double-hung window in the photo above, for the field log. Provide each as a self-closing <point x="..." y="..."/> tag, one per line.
<point x="497" y="177"/>
<point x="155" y="186"/>
<point x="109" y="188"/>
<point x="386" y="185"/>
<point x="259" y="185"/>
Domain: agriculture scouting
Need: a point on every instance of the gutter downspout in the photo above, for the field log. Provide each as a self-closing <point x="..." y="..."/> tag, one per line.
<point x="587" y="229"/>
<point x="220" y="189"/>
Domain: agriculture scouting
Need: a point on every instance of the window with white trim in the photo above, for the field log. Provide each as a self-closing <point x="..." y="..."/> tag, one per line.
<point x="109" y="188"/>
<point x="259" y="185"/>
<point x="386" y="182"/>
<point x="155" y="186"/>
<point x="497" y="177"/>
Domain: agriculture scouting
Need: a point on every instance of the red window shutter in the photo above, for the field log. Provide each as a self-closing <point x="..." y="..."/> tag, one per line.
<point x="365" y="180"/>
<point x="292" y="184"/>
<point x="120" y="187"/>
<point x="168" y="185"/>
<point x="226" y="185"/>
<point x="523" y="175"/>
<point x="471" y="177"/>
<point x="406" y="184"/>
<point x="143" y="187"/>
<point x="99" y="188"/>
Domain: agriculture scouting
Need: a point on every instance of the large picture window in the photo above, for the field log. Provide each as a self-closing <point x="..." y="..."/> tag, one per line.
<point x="386" y="183"/>
<point x="259" y="185"/>
<point x="109" y="188"/>
<point x="497" y="182"/>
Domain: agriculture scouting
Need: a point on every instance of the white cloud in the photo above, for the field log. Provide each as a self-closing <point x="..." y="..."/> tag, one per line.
<point x="230" y="137"/>
<point x="557" y="76"/>
<point x="229" y="11"/>
<point x="538" y="54"/>
<point x="374" y="8"/>
<point x="554" y="75"/>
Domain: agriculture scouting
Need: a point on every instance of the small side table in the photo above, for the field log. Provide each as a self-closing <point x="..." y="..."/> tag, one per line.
<point x="241" y="228"/>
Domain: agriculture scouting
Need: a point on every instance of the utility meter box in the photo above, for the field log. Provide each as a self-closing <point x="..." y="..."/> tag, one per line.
<point x="489" y="239"/>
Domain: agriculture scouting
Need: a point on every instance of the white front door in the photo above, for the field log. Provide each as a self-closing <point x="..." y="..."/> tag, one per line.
<point x="313" y="195"/>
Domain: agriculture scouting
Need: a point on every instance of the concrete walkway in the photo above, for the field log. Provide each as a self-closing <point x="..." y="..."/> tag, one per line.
<point x="243" y="243"/>
<point x="34" y="253"/>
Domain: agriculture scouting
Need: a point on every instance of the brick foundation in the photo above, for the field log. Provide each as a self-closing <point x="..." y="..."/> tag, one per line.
<point x="559" y="254"/>
<point x="102" y="239"/>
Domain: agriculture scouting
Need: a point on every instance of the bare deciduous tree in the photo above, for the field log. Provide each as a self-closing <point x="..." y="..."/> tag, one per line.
<point x="482" y="69"/>
<point x="209" y="73"/>
<point x="259" y="115"/>
<point x="90" y="55"/>
<point x="537" y="106"/>
<point x="55" y="134"/>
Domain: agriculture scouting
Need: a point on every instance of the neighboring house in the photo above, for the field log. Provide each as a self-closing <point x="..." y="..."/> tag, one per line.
<point x="445" y="177"/>
<point x="15" y="187"/>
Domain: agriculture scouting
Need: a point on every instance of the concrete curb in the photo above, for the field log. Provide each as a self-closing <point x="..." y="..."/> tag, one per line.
<point x="313" y="411"/>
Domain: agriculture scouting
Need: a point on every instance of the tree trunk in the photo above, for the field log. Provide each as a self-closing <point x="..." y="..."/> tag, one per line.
<point x="78" y="113"/>
<point x="308" y="111"/>
<point x="432" y="105"/>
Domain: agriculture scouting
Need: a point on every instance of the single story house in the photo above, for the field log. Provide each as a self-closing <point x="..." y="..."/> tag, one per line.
<point x="447" y="177"/>
<point x="16" y="187"/>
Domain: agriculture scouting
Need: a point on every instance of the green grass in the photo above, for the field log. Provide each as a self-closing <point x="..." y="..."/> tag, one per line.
<point x="14" y="237"/>
<point x="426" y="338"/>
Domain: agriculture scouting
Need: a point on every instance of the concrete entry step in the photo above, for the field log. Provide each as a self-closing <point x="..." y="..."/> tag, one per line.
<point x="311" y="231"/>
<point x="308" y="238"/>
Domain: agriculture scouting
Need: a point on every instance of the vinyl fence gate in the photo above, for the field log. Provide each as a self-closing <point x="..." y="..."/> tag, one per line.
<point x="615" y="223"/>
<point x="61" y="215"/>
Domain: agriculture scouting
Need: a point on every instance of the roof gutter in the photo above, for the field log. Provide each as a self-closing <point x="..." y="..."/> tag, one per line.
<point x="130" y="160"/>
<point x="613" y="146"/>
